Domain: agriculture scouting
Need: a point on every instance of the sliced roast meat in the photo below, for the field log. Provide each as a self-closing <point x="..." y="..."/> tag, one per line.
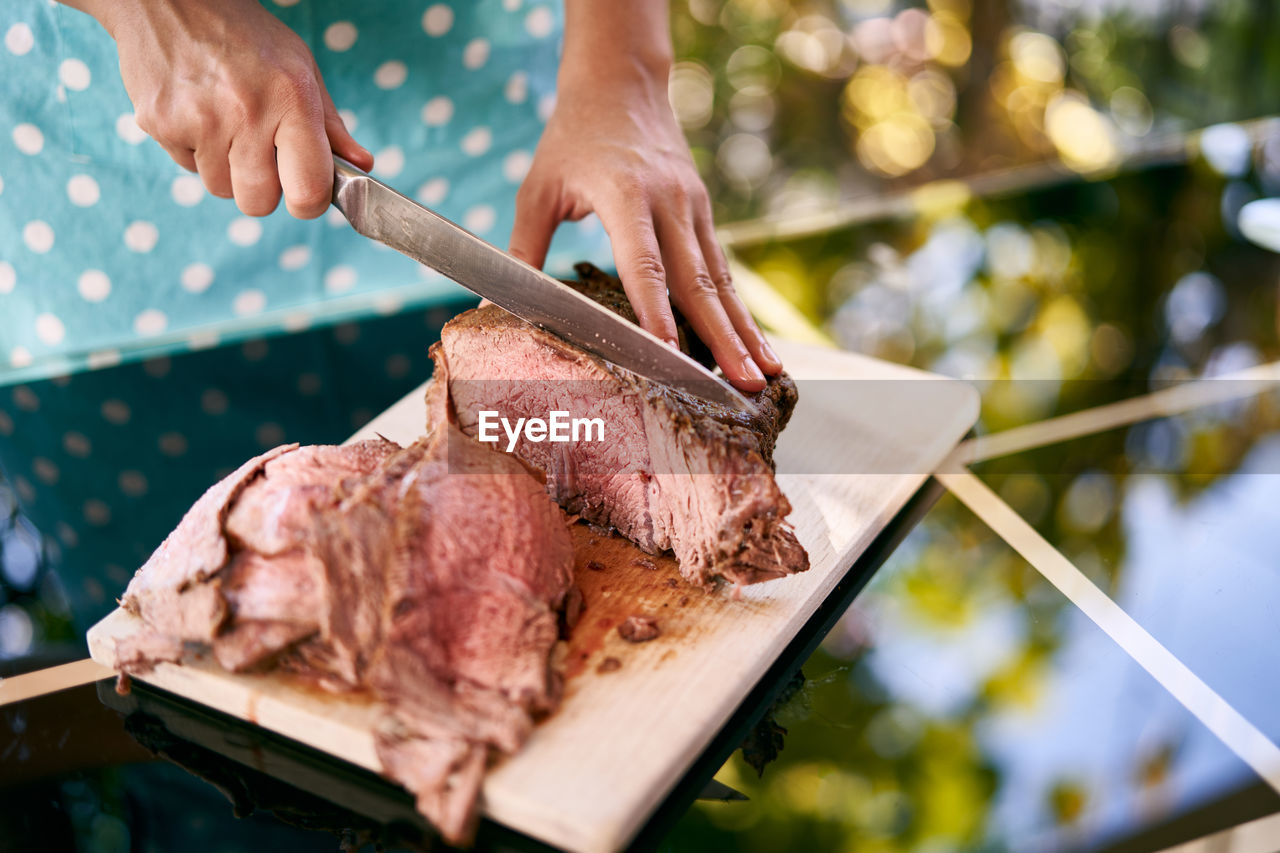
<point x="275" y="514"/>
<point x="673" y="472"/>
<point x="430" y="576"/>
<point x="176" y="591"/>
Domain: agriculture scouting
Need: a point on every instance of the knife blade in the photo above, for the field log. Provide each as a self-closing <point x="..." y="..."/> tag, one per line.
<point x="379" y="212"/>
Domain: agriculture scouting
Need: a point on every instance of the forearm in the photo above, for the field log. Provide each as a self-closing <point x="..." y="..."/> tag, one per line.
<point x="608" y="44"/>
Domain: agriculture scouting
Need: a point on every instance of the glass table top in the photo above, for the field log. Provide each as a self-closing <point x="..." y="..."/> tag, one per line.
<point x="962" y="703"/>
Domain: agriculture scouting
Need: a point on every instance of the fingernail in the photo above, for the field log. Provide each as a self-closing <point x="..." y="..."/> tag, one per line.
<point x="673" y="343"/>
<point x="771" y="355"/>
<point x="750" y="371"/>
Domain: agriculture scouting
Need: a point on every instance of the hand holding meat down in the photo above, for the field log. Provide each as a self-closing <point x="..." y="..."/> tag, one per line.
<point x="232" y="93"/>
<point x="613" y="147"/>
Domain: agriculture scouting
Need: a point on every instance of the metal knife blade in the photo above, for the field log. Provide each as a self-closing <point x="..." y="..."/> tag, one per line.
<point x="380" y="213"/>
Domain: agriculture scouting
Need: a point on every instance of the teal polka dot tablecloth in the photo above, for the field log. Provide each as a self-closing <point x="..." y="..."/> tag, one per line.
<point x="104" y="463"/>
<point x="110" y="252"/>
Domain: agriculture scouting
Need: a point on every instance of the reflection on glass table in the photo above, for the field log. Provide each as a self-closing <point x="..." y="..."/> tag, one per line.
<point x="792" y="109"/>
<point x="1175" y="518"/>
<point x="962" y="703"/>
<point x="1081" y="294"/>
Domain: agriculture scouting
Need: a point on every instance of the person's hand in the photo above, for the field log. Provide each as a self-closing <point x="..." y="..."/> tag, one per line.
<point x="612" y="146"/>
<point x="232" y="93"/>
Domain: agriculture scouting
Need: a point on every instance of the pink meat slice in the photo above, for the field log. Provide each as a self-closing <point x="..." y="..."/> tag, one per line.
<point x="673" y="473"/>
<point x="430" y="576"/>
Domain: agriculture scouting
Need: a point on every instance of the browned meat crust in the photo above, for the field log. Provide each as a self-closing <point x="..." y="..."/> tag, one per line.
<point x="675" y="472"/>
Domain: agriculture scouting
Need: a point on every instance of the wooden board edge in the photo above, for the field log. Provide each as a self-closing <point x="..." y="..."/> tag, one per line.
<point x="242" y="696"/>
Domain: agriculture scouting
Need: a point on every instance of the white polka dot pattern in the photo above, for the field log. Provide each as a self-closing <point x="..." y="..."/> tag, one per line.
<point x="76" y="444"/>
<point x="19" y="39"/>
<point x="539" y="22"/>
<point x="203" y="340"/>
<point x="437" y="20"/>
<point x="244" y="231"/>
<point x="196" y="278"/>
<point x="475" y="54"/>
<point x="249" y="302"/>
<point x="83" y="191"/>
<point x="389" y="162"/>
<point x="340" y="279"/>
<point x="517" y="89"/>
<point x="25" y="399"/>
<point x="99" y="359"/>
<point x="172" y="444"/>
<point x="133" y="484"/>
<point x="97" y="513"/>
<point x="214" y="402"/>
<point x="516" y="165"/>
<point x="74" y="74"/>
<point x="94" y="285"/>
<point x="187" y="190"/>
<point x="479" y="219"/>
<point x="38" y="235"/>
<point x="433" y="191"/>
<point x="477" y="141"/>
<point x="50" y="330"/>
<point x="546" y="106"/>
<point x="296" y="321"/>
<point x="116" y="412"/>
<point x="437" y="111"/>
<point x="150" y="322"/>
<point x="255" y="350"/>
<point x="449" y="104"/>
<point x="45" y="470"/>
<point x="340" y="36"/>
<point x="269" y="435"/>
<point x="390" y="75"/>
<point x="128" y="130"/>
<point x="28" y="138"/>
<point x="141" y="237"/>
<point x="295" y="257"/>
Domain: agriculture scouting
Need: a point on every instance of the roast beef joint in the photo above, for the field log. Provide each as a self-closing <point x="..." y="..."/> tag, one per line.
<point x="437" y="578"/>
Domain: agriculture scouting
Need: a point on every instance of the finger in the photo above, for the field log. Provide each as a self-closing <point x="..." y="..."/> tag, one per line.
<point x="254" y="179"/>
<point x="535" y="225"/>
<point x="341" y="141"/>
<point x="214" y="169"/>
<point x="629" y="224"/>
<point x="304" y="163"/>
<point x="698" y="297"/>
<point x="184" y="157"/>
<point x="743" y="323"/>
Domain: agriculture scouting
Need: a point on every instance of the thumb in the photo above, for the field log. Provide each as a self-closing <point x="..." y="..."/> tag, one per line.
<point x="535" y="225"/>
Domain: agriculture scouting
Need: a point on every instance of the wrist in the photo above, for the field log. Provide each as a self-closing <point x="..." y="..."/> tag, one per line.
<point x="631" y="77"/>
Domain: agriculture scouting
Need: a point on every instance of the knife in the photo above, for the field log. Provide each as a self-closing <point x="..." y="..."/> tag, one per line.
<point x="380" y="213"/>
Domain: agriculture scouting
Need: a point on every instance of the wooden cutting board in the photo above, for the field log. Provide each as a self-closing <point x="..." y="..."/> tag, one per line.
<point x="863" y="439"/>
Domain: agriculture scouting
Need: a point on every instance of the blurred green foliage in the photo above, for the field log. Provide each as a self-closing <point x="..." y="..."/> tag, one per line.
<point x="1088" y="252"/>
